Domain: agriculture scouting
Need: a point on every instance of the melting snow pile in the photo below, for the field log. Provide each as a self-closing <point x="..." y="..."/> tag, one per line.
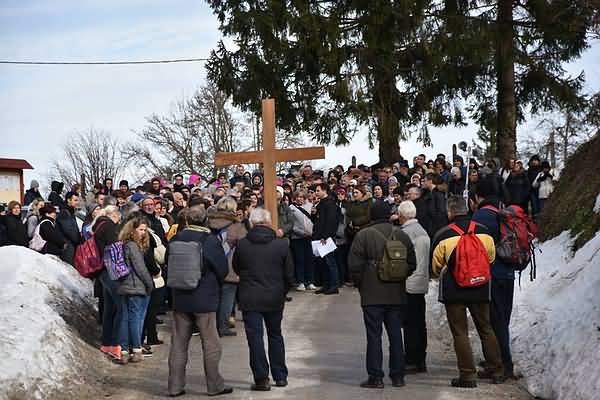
<point x="45" y="309"/>
<point x="556" y="322"/>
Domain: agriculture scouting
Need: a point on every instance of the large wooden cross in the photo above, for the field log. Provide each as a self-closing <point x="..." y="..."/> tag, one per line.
<point x="269" y="156"/>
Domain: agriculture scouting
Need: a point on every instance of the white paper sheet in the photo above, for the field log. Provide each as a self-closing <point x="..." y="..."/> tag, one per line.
<point x="321" y="250"/>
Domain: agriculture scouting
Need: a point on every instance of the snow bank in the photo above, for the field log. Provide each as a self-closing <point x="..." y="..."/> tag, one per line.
<point x="556" y="322"/>
<point x="45" y="308"/>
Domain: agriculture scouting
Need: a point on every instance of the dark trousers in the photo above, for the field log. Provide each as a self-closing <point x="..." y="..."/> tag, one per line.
<point x="500" y="312"/>
<point x="391" y="317"/>
<point x="303" y="261"/>
<point x="149" y="332"/>
<point x="253" y="323"/>
<point x="415" y="329"/>
<point x="330" y="271"/>
<point x="112" y="310"/>
<point x="457" y="319"/>
<point x="341" y="259"/>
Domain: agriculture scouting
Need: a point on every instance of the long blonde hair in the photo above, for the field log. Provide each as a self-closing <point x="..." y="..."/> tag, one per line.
<point x="128" y="233"/>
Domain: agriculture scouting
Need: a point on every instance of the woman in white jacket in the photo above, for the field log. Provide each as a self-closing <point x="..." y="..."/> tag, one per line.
<point x="544" y="181"/>
<point x="300" y="242"/>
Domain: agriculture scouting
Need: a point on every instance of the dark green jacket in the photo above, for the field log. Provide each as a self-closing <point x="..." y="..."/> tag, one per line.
<point x="285" y="222"/>
<point x="358" y="213"/>
<point x="367" y="249"/>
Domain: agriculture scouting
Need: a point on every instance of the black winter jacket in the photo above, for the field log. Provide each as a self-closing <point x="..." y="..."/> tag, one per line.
<point x="266" y="270"/>
<point x="55" y="197"/>
<point x="156" y="226"/>
<point x="55" y="241"/>
<point x="105" y="232"/>
<point x="16" y="231"/>
<point x="67" y="223"/>
<point x="326" y="219"/>
<point x="435" y="211"/>
<point x="517" y="189"/>
<point x="205" y="298"/>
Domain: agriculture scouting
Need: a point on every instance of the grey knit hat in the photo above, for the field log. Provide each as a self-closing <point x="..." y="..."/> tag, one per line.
<point x="34" y="184"/>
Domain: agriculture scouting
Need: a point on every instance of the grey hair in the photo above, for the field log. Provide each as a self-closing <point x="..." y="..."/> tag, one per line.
<point x="260" y="216"/>
<point x="110" y="201"/>
<point x="457" y="205"/>
<point x="196" y="215"/>
<point x="227" y="203"/>
<point x="407" y="209"/>
<point x="111" y="210"/>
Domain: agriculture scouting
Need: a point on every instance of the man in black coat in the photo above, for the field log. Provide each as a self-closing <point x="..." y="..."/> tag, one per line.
<point x="263" y="286"/>
<point x="435" y="205"/>
<point x="382" y="302"/>
<point x="67" y="223"/>
<point x="155" y="224"/>
<point x="325" y="227"/>
<point x="198" y="306"/>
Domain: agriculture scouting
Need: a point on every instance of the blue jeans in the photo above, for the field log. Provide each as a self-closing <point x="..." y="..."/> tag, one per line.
<point x="303" y="261"/>
<point x="330" y="271"/>
<point x="227" y="299"/>
<point x="112" y="312"/>
<point x="132" y="321"/>
<point x="391" y="317"/>
<point x="253" y="323"/>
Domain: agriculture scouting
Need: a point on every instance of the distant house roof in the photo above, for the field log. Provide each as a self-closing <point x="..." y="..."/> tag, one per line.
<point x="12" y="163"/>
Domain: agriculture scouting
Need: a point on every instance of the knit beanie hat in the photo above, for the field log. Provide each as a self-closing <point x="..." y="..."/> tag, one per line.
<point x="34" y="184"/>
<point x="380" y="210"/>
<point x="124" y="183"/>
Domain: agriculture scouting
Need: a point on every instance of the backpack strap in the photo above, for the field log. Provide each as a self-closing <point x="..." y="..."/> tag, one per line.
<point x="490" y="207"/>
<point x="456" y="229"/>
<point x="472" y="226"/>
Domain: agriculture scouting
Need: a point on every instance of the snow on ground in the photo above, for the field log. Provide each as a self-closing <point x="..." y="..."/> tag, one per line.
<point x="556" y="322"/>
<point x="40" y="350"/>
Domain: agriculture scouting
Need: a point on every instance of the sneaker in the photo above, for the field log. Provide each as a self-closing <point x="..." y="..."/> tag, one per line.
<point x="311" y="287"/>
<point x="123" y="358"/>
<point x="301" y="288"/>
<point x="154" y="342"/>
<point x="372" y="383"/>
<point x="137" y="356"/>
<point x="146" y="353"/>
<point x="115" y="352"/>
<point x="106" y="349"/>
<point x="331" y="291"/>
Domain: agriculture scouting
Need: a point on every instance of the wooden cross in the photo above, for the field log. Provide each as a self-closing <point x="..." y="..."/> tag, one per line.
<point x="268" y="157"/>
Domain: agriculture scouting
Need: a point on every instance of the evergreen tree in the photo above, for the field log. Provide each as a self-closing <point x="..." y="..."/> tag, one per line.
<point x="525" y="44"/>
<point x="333" y="66"/>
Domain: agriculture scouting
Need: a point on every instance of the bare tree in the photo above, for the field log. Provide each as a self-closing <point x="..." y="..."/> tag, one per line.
<point x="185" y="141"/>
<point x="94" y="154"/>
<point x="558" y="135"/>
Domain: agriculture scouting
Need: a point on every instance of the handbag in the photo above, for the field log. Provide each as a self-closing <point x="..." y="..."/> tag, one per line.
<point x="160" y="250"/>
<point x="158" y="280"/>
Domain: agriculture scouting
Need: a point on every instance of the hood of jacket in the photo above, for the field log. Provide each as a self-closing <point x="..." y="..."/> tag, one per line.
<point x="57" y="186"/>
<point x="261" y="234"/>
<point x="218" y="219"/>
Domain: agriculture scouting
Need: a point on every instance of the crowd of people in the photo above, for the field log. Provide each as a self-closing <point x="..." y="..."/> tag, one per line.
<point x="220" y="226"/>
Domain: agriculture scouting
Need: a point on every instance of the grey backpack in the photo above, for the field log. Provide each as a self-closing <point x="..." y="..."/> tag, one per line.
<point x="185" y="265"/>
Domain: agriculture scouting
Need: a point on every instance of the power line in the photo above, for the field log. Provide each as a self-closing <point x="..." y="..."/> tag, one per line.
<point x="180" y="60"/>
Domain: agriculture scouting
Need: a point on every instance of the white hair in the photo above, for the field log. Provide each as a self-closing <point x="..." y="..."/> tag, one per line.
<point x="407" y="209"/>
<point x="260" y="216"/>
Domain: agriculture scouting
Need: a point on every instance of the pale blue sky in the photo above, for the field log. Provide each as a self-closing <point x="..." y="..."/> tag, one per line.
<point x="40" y="106"/>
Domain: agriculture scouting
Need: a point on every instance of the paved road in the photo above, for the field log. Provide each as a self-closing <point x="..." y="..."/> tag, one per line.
<point x="325" y="344"/>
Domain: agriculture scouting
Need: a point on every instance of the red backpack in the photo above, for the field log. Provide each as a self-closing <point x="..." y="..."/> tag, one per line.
<point x="88" y="260"/>
<point x="472" y="265"/>
<point x="517" y="232"/>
